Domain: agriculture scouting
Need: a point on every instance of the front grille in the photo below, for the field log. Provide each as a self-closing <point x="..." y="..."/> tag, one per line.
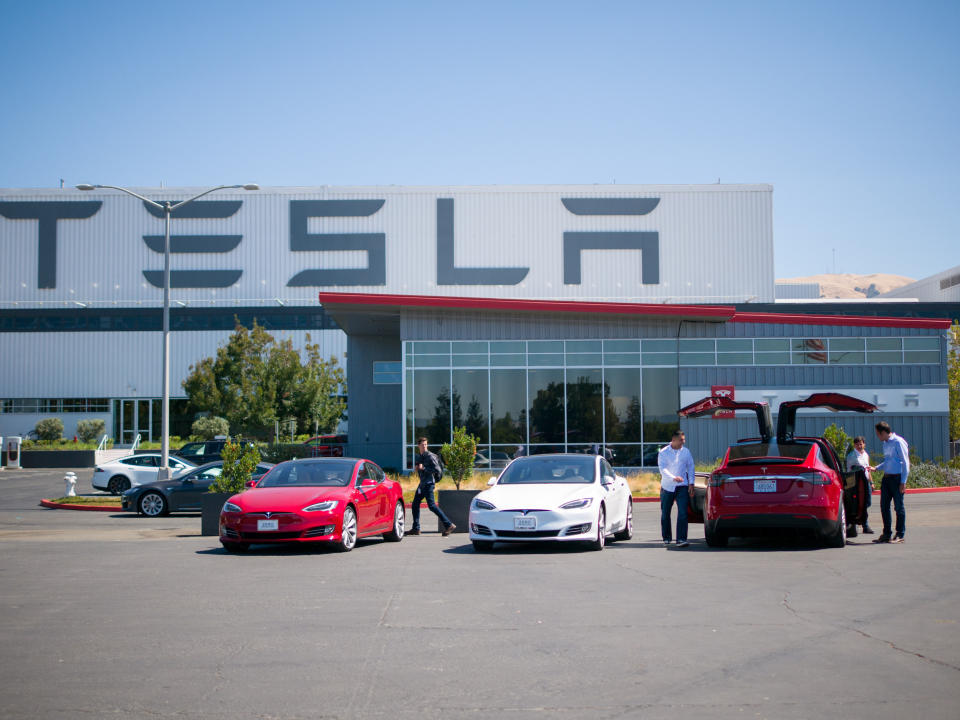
<point x="255" y="536"/>
<point x="480" y="529"/>
<point x="527" y="533"/>
<point x="318" y="531"/>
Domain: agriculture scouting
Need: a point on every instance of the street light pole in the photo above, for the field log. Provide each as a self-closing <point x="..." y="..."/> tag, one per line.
<point x="168" y="209"/>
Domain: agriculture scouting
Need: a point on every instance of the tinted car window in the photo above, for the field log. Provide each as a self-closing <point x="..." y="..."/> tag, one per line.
<point x="788" y="452"/>
<point x="336" y="473"/>
<point x="196" y="448"/>
<point x="547" y="470"/>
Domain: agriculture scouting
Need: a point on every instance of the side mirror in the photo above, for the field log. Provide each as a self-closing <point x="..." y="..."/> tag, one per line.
<point x="492" y="481"/>
<point x="368" y="482"/>
<point x="251" y="483"/>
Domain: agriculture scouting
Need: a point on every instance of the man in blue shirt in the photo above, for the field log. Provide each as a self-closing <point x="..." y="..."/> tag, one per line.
<point x="896" y="468"/>
<point x="676" y="484"/>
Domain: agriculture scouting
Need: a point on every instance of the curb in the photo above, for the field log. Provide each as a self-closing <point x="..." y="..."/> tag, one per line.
<point x="71" y="506"/>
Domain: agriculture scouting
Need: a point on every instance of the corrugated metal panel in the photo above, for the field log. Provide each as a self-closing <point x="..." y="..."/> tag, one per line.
<point x="715" y="244"/>
<point x="797" y="291"/>
<point x="118" y="364"/>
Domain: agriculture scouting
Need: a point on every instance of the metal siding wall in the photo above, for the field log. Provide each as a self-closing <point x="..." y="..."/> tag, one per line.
<point x="416" y="325"/>
<point x="118" y="364"/>
<point x="715" y="244"/>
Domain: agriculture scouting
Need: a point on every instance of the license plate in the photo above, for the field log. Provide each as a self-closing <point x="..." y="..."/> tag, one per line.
<point x="525" y="523"/>
<point x="268" y="524"/>
<point x="764" y="486"/>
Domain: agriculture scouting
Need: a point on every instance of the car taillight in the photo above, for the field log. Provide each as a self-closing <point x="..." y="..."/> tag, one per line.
<point x="814" y="478"/>
<point x="721" y="479"/>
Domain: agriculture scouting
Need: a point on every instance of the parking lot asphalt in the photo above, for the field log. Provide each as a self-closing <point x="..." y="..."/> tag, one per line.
<point x="111" y="615"/>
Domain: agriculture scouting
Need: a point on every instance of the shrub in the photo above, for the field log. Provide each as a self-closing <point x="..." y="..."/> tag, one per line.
<point x="239" y="461"/>
<point x="207" y="428"/>
<point x="89" y="430"/>
<point x="278" y="452"/>
<point x="50" y="429"/>
<point x="458" y="455"/>
<point x="840" y="441"/>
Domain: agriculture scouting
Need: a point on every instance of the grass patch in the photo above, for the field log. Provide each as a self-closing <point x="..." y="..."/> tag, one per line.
<point x="89" y="500"/>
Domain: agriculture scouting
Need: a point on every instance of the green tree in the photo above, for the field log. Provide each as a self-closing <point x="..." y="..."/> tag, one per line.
<point x="207" y="428"/>
<point x="458" y="455"/>
<point x="953" y="381"/>
<point x="839" y="441"/>
<point x="239" y="462"/>
<point x="50" y="429"/>
<point x="254" y="380"/>
<point x="90" y="430"/>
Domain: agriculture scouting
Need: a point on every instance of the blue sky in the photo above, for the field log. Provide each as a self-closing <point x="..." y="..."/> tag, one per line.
<point x="849" y="109"/>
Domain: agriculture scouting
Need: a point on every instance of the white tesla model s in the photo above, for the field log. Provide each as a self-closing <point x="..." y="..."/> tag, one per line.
<point x="565" y="498"/>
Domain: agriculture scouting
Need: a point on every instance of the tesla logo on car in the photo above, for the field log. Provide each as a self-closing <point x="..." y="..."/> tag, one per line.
<point x="268" y="515"/>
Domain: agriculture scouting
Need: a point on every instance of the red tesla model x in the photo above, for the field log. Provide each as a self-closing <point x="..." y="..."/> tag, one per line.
<point x="781" y="481"/>
<point x="328" y="500"/>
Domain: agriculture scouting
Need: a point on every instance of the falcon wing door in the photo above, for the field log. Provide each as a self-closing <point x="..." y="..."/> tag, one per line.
<point x="834" y="402"/>
<point x="710" y="405"/>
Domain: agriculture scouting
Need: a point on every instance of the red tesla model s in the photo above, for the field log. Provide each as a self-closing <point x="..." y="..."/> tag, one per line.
<point x="783" y="481"/>
<point x="330" y="500"/>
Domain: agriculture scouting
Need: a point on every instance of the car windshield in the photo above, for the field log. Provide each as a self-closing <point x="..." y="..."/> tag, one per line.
<point x="333" y="473"/>
<point x="786" y="453"/>
<point x="548" y="470"/>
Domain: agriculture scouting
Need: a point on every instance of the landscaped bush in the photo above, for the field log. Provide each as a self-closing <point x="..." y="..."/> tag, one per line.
<point x="207" y="428"/>
<point x="278" y="452"/>
<point x="89" y="430"/>
<point x="50" y="429"/>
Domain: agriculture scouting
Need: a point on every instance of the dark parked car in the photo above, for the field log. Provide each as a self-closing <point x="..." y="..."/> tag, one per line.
<point x="202" y="452"/>
<point x="327" y="445"/>
<point x="782" y="481"/>
<point x="184" y="493"/>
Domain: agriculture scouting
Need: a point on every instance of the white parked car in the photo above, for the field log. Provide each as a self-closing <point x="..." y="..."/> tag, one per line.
<point x="123" y="473"/>
<point x="565" y="498"/>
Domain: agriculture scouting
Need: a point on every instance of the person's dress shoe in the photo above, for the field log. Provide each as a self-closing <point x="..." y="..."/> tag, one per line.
<point x="448" y="529"/>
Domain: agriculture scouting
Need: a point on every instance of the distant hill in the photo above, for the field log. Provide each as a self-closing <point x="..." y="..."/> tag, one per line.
<point x="847" y="285"/>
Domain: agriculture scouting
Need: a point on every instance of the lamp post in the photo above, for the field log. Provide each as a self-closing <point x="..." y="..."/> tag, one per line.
<point x="168" y="208"/>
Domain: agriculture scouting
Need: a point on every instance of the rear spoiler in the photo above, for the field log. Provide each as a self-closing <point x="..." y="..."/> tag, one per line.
<point x="710" y="405"/>
<point x="834" y="402"/>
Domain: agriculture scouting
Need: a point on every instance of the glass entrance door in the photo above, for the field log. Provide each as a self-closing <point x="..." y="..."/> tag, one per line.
<point x="135" y="417"/>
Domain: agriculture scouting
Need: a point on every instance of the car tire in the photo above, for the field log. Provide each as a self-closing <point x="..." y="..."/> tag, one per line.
<point x="348" y="531"/>
<point x="482" y="545"/>
<point x="235" y="547"/>
<point x="627" y="531"/>
<point x="118" y="484"/>
<point x="152" y="504"/>
<point x="838" y="538"/>
<point x="396" y="532"/>
<point x="601" y="539"/>
<point x="715" y="539"/>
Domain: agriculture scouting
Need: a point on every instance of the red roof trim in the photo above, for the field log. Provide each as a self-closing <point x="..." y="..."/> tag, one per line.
<point x="717" y="312"/>
<point x="842" y="320"/>
<point x="705" y="312"/>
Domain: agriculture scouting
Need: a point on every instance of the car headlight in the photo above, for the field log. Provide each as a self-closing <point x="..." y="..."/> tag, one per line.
<point x="577" y="504"/>
<point x="321" y="506"/>
<point x="483" y="505"/>
<point x="231" y="507"/>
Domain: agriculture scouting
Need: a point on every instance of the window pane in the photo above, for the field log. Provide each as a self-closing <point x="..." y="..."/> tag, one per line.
<point x="697" y="358"/>
<point x="735" y="345"/>
<point x="409" y="408"/>
<point x="696" y="346"/>
<point x="771" y="344"/>
<point x="465" y="348"/>
<point x="624" y="413"/>
<point x="430" y="348"/>
<point x="432" y="405"/>
<point x="470" y="402"/>
<point x="884" y="343"/>
<point x="809" y="351"/>
<point x="545" y="359"/>
<point x="669" y="359"/>
<point x="735" y="358"/>
<point x="622" y="358"/>
<point x="921" y="357"/>
<point x="660" y="346"/>
<point x="583" y="358"/>
<point x="508" y="391"/>
<point x="661" y="396"/>
<point x="626" y="455"/>
<point x="469" y="360"/>
<point x="847" y="358"/>
<point x="545" y="346"/>
<point x="508" y="346"/>
<point x="584" y="406"/>
<point x="885" y="357"/>
<point x="621" y="346"/>
<point x="921" y="343"/>
<point x="507" y="360"/>
<point x="838" y="344"/>
<point x="772" y="358"/>
<point x="546" y="406"/>
<point x="583" y="346"/>
<point x="422" y="361"/>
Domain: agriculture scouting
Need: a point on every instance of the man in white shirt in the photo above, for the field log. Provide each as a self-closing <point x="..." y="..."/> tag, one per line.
<point x="676" y="484"/>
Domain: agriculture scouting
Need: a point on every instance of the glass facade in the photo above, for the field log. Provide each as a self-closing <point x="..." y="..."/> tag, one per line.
<point x="542" y="396"/>
<point x="539" y="396"/>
